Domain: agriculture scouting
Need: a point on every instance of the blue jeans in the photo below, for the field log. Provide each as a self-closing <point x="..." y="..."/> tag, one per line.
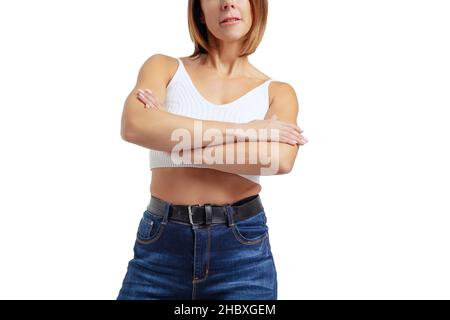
<point x="222" y="261"/>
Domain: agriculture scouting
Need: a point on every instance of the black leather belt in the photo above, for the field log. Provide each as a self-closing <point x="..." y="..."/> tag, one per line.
<point x="207" y="213"/>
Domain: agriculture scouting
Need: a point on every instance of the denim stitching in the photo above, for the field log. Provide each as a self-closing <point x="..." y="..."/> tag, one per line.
<point x="230" y="218"/>
<point x="149" y="230"/>
<point x="208" y="258"/>
<point x="154" y="238"/>
<point x="241" y="239"/>
<point x="193" y="290"/>
<point x="195" y="253"/>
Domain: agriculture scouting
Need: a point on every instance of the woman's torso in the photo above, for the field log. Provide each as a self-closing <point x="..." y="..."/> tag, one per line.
<point x="187" y="185"/>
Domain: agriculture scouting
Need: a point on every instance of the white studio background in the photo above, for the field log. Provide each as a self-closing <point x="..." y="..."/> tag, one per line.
<point x="363" y="215"/>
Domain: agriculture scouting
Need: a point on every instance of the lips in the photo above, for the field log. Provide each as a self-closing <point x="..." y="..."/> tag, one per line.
<point x="228" y="19"/>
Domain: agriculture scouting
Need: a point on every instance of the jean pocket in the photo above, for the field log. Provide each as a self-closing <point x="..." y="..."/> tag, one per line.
<point x="150" y="228"/>
<point x="251" y="230"/>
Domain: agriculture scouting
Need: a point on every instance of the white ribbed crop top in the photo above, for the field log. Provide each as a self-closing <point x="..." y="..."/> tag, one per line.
<point x="183" y="98"/>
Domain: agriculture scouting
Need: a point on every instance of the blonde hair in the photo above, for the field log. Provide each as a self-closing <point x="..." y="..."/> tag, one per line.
<point x="199" y="34"/>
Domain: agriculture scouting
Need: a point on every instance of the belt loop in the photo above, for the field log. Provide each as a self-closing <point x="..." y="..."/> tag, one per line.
<point x="208" y="214"/>
<point x="167" y="206"/>
<point x="229" y="212"/>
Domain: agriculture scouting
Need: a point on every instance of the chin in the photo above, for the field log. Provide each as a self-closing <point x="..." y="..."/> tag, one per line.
<point x="233" y="37"/>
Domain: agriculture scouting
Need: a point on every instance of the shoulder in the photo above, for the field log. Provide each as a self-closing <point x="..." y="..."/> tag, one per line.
<point x="163" y="65"/>
<point x="160" y="59"/>
<point x="282" y="92"/>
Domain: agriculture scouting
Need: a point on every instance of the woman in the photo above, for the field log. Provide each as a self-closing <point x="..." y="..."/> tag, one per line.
<point x="204" y="233"/>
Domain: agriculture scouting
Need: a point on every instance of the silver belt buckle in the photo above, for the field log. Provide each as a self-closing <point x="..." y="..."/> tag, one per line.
<point x="191" y="220"/>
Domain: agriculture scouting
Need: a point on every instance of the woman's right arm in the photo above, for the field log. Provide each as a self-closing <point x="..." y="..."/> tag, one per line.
<point x="152" y="128"/>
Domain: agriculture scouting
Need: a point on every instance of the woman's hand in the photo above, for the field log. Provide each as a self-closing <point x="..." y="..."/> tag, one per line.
<point x="149" y="100"/>
<point x="287" y="132"/>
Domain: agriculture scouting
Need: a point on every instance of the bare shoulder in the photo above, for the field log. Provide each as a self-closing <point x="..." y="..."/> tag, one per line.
<point x="161" y="65"/>
<point x="282" y="92"/>
<point x="283" y="102"/>
<point x="162" y="59"/>
<point x="154" y="74"/>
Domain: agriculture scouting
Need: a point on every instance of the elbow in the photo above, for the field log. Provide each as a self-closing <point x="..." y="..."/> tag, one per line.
<point x="126" y="135"/>
<point x="286" y="158"/>
<point x="285" y="166"/>
<point x="127" y="131"/>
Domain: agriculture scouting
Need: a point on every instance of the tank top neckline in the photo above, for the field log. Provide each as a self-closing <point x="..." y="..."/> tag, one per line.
<point x="194" y="88"/>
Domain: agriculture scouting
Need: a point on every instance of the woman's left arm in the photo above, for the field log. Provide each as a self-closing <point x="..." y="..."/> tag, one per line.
<point x="257" y="157"/>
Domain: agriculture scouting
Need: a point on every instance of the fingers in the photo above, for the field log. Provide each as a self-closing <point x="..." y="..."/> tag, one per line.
<point x="296" y="139"/>
<point x="287" y="137"/>
<point x="295" y="133"/>
<point x="292" y="134"/>
<point x="142" y="96"/>
<point x="153" y="101"/>
<point x="148" y="99"/>
<point x="284" y="123"/>
<point x="292" y="139"/>
<point x="151" y="98"/>
<point x="146" y="103"/>
<point x="295" y="127"/>
<point x="287" y="132"/>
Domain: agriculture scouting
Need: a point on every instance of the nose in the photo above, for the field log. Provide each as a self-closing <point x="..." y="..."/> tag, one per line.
<point x="227" y="4"/>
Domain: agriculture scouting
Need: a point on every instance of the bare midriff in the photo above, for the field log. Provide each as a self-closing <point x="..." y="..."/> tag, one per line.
<point x="200" y="185"/>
